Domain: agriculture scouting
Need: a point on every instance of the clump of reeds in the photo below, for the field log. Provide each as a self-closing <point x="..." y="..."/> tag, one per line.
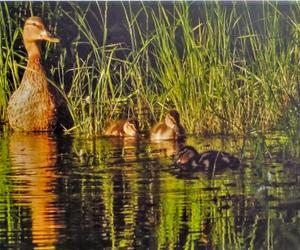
<point x="230" y="76"/>
<point x="9" y="58"/>
<point x="229" y="70"/>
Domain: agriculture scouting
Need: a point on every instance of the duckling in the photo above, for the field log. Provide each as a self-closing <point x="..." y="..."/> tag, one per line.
<point x="121" y="128"/>
<point x="169" y="129"/>
<point x="33" y="106"/>
<point x="189" y="159"/>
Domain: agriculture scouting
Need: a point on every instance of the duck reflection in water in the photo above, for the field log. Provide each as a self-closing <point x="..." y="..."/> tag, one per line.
<point x="188" y="159"/>
<point x="33" y="161"/>
<point x="121" y="149"/>
<point x="165" y="148"/>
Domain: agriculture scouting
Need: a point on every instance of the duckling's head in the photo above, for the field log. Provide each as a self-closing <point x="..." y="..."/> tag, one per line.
<point x="185" y="155"/>
<point x="131" y="127"/>
<point x="35" y="31"/>
<point x="172" y="118"/>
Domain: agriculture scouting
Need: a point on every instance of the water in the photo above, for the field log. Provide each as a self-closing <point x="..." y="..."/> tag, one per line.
<point x="67" y="193"/>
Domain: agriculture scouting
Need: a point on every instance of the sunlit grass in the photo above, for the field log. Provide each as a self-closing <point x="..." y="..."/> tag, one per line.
<point x="225" y="72"/>
<point x="9" y="58"/>
<point x="221" y="72"/>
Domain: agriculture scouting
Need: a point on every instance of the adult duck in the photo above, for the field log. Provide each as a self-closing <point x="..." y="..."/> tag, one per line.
<point x="33" y="106"/>
<point x="169" y="129"/>
<point x="189" y="159"/>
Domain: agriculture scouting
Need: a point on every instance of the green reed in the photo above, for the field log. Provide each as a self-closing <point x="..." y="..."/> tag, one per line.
<point x="9" y="58"/>
<point x="230" y="70"/>
<point x="97" y="89"/>
<point x="217" y="88"/>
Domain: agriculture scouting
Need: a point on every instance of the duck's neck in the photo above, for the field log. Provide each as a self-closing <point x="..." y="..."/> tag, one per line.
<point x="34" y="53"/>
<point x="34" y="72"/>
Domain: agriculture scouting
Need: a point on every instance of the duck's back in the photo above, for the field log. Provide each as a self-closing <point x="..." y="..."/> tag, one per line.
<point x="218" y="160"/>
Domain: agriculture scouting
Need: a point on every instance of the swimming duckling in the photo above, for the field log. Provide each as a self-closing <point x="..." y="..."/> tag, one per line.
<point x="127" y="127"/>
<point x="33" y="107"/>
<point x="169" y="129"/>
<point x="189" y="159"/>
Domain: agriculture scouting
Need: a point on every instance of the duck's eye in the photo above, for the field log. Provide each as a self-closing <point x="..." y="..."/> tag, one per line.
<point x="132" y="125"/>
<point x="172" y="119"/>
<point x="35" y="25"/>
<point x="184" y="150"/>
<point x="226" y="159"/>
<point x="181" y="152"/>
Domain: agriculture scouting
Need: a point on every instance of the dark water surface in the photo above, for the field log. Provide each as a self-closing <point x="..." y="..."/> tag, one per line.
<point x="67" y="193"/>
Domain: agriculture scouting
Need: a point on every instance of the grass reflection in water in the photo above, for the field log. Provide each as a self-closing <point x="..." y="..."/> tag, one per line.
<point x="69" y="193"/>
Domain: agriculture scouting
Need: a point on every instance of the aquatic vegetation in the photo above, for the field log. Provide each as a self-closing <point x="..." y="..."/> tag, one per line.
<point x="232" y="70"/>
<point x="119" y="194"/>
<point x="9" y="58"/>
<point x="229" y="68"/>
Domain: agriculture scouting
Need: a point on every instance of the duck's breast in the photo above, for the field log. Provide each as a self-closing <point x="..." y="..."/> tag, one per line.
<point x="31" y="108"/>
<point x="162" y="132"/>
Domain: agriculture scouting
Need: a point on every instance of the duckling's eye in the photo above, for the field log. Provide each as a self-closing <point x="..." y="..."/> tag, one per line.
<point x="172" y="119"/>
<point x="182" y="152"/>
<point x="132" y="126"/>
<point x="185" y="150"/>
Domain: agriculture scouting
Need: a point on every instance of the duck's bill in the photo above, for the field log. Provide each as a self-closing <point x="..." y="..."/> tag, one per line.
<point x="47" y="36"/>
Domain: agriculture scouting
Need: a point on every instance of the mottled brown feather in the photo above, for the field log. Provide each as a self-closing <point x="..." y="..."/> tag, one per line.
<point x="33" y="106"/>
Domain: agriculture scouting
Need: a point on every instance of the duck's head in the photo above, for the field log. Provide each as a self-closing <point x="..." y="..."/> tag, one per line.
<point x="35" y="31"/>
<point x="185" y="155"/>
<point x="131" y="127"/>
<point x="172" y="118"/>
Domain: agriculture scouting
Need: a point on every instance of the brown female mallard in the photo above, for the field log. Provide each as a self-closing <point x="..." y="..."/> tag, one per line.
<point x="33" y="106"/>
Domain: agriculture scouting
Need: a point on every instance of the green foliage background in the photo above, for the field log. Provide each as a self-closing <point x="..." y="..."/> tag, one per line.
<point x="227" y="67"/>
